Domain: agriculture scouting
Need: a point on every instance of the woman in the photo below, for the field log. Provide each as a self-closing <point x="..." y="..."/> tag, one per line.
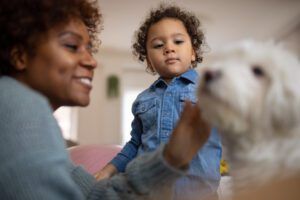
<point x="46" y="62"/>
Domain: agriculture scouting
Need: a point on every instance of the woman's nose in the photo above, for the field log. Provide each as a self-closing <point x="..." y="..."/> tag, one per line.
<point x="88" y="60"/>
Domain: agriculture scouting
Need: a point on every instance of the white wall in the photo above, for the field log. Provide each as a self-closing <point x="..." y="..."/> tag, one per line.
<point x="100" y="122"/>
<point x="291" y="40"/>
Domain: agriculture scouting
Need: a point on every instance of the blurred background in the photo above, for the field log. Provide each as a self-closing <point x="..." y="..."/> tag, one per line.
<point x="120" y="77"/>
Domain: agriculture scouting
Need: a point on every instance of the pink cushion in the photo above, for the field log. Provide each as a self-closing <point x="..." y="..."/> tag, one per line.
<point x="93" y="157"/>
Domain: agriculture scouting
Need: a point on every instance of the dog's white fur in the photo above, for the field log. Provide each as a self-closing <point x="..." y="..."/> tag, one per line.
<point x="251" y="92"/>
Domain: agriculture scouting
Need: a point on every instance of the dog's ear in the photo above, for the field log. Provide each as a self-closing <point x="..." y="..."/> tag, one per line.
<point x="283" y="103"/>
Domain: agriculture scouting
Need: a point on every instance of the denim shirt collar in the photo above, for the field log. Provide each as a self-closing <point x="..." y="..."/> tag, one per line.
<point x="189" y="76"/>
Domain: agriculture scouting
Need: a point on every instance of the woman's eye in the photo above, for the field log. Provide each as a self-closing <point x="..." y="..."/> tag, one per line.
<point x="257" y="71"/>
<point x="90" y="48"/>
<point x="72" y="47"/>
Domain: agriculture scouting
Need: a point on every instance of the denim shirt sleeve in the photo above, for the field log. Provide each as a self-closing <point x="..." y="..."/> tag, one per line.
<point x="130" y="150"/>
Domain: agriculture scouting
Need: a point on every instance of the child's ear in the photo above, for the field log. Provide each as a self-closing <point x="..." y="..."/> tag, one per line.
<point x="18" y="58"/>
<point x="149" y="66"/>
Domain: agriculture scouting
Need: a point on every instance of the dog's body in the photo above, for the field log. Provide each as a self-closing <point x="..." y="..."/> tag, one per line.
<point x="251" y="92"/>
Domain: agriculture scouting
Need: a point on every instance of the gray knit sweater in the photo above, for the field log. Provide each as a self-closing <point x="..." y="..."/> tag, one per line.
<point x="36" y="166"/>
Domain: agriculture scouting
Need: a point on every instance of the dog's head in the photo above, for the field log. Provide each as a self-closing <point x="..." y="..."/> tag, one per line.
<point x="252" y="87"/>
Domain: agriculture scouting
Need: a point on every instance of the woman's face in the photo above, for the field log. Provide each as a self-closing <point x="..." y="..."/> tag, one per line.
<point x="62" y="67"/>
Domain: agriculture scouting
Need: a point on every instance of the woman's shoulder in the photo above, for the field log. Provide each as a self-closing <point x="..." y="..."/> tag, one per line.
<point x="13" y="89"/>
<point x="16" y="97"/>
<point x="27" y="118"/>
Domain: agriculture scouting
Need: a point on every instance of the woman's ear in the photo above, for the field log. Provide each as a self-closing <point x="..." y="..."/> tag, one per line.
<point x="18" y="59"/>
<point x="193" y="55"/>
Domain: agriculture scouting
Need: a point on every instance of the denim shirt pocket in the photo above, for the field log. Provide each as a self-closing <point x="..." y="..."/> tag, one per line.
<point x="187" y="96"/>
<point x="146" y="111"/>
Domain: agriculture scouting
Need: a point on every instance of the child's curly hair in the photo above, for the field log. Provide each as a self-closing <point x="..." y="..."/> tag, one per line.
<point x="24" y="22"/>
<point x="190" y="21"/>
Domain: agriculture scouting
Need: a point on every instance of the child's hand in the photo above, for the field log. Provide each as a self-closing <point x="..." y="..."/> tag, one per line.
<point x="187" y="138"/>
<point x="108" y="171"/>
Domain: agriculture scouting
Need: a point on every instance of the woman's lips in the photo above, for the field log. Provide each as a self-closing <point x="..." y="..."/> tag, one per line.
<point x="85" y="81"/>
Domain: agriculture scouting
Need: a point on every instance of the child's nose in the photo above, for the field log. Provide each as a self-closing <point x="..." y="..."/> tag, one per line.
<point x="169" y="49"/>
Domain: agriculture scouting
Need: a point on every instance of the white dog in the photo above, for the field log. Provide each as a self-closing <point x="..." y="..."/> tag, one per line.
<point x="251" y="92"/>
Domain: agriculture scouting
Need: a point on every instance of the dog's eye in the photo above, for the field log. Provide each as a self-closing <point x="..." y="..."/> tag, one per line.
<point x="257" y="71"/>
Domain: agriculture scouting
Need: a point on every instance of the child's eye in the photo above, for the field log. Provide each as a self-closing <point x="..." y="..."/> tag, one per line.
<point x="157" y="46"/>
<point x="178" y="41"/>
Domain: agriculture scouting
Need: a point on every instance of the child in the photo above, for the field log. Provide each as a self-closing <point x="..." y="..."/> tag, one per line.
<point x="170" y="41"/>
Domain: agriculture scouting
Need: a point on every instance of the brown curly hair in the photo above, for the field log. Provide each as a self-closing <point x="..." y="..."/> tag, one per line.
<point x="24" y="22"/>
<point x="190" y="21"/>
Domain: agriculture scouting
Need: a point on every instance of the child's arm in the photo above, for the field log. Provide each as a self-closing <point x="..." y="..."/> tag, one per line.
<point x="158" y="170"/>
<point x="129" y="151"/>
<point x="120" y="161"/>
<point x="106" y="172"/>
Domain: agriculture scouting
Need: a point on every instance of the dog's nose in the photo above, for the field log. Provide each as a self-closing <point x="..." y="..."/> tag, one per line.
<point x="210" y="75"/>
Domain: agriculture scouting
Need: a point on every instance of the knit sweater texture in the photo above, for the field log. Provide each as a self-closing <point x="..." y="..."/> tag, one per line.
<point x="35" y="164"/>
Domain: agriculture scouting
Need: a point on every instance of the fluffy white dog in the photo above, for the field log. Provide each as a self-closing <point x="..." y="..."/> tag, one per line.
<point x="251" y="92"/>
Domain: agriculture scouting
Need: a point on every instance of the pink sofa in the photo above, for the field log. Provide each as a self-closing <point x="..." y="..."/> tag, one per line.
<point x="93" y="157"/>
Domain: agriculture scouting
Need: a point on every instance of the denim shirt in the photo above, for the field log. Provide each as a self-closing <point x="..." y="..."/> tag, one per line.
<point x="156" y="112"/>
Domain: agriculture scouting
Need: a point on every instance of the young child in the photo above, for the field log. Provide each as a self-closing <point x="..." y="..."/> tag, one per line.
<point x="170" y="42"/>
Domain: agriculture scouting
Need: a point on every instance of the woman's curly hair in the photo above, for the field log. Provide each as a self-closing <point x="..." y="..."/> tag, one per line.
<point x="24" y="22"/>
<point x="190" y="21"/>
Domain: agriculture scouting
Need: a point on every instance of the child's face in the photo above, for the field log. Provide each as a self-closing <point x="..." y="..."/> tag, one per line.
<point x="169" y="48"/>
